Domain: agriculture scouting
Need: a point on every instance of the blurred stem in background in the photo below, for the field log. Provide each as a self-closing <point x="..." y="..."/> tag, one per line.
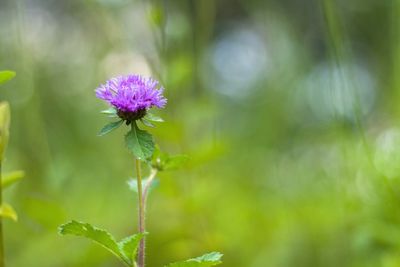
<point x="395" y="53"/>
<point x="28" y="86"/>
<point x="341" y="54"/>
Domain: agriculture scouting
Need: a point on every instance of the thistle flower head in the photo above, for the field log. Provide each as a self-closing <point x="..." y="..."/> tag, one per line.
<point x="132" y="95"/>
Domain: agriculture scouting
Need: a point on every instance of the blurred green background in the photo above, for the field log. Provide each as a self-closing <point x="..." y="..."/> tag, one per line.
<point x="288" y="109"/>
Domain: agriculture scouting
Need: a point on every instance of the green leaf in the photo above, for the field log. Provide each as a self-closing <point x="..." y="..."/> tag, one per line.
<point x="139" y="142"/>
<point x="100" y="236"/>
<point x="110" y="127"/>
<point x="146" y="122"/>
<point x="6" y="211"/>
<point x="164" y="162"/>
<point x="6" y="75"/>
<point x="175" y="162"/>
<point x="11" y="178"/>
<point x="210" y="259"/>
<point x="111" y="112"/>
<point x="129" y="245"/>
<point x="125" y="250"/>
<point x="151" y="117"/>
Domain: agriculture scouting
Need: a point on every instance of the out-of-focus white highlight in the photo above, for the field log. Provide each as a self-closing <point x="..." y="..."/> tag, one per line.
<point x="236" y="61"/>
<point x="340" y="92"/>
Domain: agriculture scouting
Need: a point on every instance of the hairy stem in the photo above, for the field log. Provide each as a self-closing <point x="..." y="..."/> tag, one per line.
<point x="141" y="252"/>
<point x="2" y="264"/>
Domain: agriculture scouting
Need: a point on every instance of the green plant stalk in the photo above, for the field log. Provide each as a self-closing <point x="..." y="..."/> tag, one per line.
<point x="141" y="252"/>
<point x="1" y="226"/>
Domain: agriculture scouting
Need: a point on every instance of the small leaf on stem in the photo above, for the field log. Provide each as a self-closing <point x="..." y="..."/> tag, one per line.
<point x="163" y="161"/>
<point x="151" y="117"/>
<point x="110" y="127"/>
<point x="146" y="122"/>
<point x="129" y="245"/>
<point x="109" y="111"/>
<point x="207" y="260"/>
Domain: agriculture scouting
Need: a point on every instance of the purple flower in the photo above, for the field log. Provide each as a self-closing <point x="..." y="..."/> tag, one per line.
<point x="132" y="95"/>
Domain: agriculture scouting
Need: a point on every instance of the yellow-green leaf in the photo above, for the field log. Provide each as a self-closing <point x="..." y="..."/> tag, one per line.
<point x="10" y="178"/>
<point x="6" y="211"/>
<point x="6" y="75"/>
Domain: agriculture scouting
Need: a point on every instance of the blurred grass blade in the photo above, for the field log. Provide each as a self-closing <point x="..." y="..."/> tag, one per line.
<point x="10" y="178"/>
<point x="6" y="75"/>
<point x="7" y="211"/>
<point x="209" y="259"/>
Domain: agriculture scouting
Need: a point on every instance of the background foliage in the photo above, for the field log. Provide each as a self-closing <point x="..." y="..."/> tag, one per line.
<point x="288" y="111"/>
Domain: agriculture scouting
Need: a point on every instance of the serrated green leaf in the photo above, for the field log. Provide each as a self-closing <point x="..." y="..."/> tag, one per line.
<point x="100" y="236"/>
<point x="151" y="117"/>
<point x="212" y="256"/>
<point x="139" y="142"/>
<point x="10" y="178"/>
<point x="4" y="127"/>
<point x="125" y="250"/>
<point x="207" y="260"/>
<point x="6" y="75"/>
<point x="129" y="246"/>
<point x="7" y="211"/>
<point x="110" y="127"/>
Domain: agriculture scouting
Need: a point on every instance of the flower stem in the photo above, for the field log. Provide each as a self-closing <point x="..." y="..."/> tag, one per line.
<point x="2" y="264"/>
<point x="141" y="253"/>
